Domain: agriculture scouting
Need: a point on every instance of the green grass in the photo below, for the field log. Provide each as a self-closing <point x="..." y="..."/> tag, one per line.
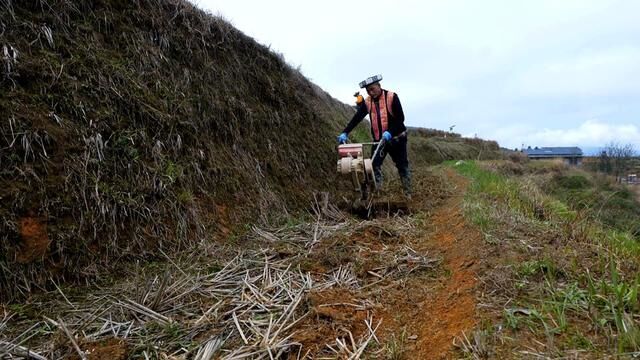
<point x="614" y="205"/>
<point x="625" y="243"/>
<point x="534" y="267"/>
<point x="490" y="192"/>
<point x="395" y="346"/>
<point x="560" y="210"/>
<point x="561" y="300"/>
<point x="361" y="133"/>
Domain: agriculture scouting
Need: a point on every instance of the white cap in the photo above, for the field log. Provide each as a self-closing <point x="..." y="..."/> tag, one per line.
<point x="370" y="80"/>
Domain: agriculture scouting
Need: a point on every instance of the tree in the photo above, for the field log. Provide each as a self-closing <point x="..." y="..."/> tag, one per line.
<point x="616" y="159"/>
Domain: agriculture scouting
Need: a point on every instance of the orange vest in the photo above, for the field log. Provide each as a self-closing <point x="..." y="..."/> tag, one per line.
<point x="385" y="109"/>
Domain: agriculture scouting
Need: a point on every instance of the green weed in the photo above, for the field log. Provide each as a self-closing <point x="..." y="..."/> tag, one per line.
<point x="533" y="267"/>
<point x="560" y="210"/>
<point x="516" y="318"/>
<point x="558" y="307"/>
<point x="625" y="243"/>
<point x="185" y="197"/>
<point x="395" y="346"/>
<point x="173" y="171"/>
<point x="580" y="341"/>
<point x="478" y="213"/>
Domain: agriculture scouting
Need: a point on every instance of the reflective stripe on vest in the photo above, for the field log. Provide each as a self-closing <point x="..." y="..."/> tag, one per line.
<point x="384" y="103"/>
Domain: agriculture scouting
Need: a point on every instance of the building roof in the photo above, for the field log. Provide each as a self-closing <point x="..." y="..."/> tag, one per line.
<point x="553" y="152"/>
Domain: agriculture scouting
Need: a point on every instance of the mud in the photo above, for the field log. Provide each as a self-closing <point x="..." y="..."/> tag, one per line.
<point x="426" y="311"/>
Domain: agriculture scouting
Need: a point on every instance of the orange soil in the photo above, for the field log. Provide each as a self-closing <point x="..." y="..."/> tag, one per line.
<point x="334" y="311"/>
<point x="35" y="241"/>
<point x="110" y="349"/>
<point x="431" y="312"/>
<point x="452" y="309"/>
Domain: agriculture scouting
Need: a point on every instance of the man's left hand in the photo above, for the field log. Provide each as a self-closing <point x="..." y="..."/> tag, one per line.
<point x="386" y="136"/>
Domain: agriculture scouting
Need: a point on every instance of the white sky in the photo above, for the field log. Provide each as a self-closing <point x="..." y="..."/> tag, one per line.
<point x="539" y="73"/>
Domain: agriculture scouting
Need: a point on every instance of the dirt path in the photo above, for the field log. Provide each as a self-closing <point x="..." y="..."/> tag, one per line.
<point x="426" y="311"/>
<point x="422" y="312"/>
<point x="450" y="309"/>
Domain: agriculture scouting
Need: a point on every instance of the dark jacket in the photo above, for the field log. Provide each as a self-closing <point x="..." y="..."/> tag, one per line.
<point x="396" y="121"/>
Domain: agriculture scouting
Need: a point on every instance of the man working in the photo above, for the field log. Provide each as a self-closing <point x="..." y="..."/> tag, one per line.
<point x="387" y="122"/>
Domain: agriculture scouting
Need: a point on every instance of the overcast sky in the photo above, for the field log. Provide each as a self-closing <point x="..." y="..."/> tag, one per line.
<point x="539" y="73"/>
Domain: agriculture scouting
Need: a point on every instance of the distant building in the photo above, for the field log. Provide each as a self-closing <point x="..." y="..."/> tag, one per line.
<point x="570" y="155"/>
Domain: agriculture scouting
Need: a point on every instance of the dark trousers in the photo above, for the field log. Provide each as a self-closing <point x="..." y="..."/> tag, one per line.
<point x="397" y="148"/>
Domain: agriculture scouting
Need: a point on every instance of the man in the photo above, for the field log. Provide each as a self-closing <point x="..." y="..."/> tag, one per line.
<point x="387" y="122"/>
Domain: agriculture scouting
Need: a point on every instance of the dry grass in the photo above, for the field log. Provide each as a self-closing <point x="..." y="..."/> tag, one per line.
<point x="144" y="125"/>
<point x="427" y="149"/>
<point x="216" y="302"/>
<point x="127" y="125"/>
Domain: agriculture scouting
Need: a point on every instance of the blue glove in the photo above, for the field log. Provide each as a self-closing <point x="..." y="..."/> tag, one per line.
<point x="342" y="138"/>
<point x="386" y="136"/>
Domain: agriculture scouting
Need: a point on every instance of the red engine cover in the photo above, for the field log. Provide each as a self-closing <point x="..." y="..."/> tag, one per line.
<point x="353" y="150"/>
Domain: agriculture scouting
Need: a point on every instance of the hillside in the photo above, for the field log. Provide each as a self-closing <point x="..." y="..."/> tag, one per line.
<point x="168" y="190"/>
<point x="130" y="126"/>
<point x="137" y="126"/>
<point x="431" y="147"/>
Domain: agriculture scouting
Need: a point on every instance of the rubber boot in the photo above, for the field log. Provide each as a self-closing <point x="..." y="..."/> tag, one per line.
<point x="406" y="185"/>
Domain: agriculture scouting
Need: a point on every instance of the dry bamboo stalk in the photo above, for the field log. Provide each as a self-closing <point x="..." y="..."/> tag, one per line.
<point x="21" y="351"/>
<point x="235" y="320"/>
<point x="249" y="286"/>
<point x="208" y="312"/>
<point x="369" y="323"/>
<point x="364" y="345"/>
<point x="132" y="305"/>
<point x="66" y="331"/>
<point x="210" y="348"/>
<point x="61" y="293"/>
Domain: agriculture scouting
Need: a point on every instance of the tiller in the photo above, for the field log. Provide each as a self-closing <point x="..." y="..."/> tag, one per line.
<point x="353" y="164"/>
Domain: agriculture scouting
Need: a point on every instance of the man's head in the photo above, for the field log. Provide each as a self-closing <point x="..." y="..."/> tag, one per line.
<point x="370" y="80"/>
<point x="374" y="90"/>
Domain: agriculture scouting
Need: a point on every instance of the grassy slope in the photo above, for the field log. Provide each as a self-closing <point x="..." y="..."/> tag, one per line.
<point x="430" y="147"/>
<point x="561" y="278"/>
<point x="617" y="206"/>
<point x="135" y="125"/>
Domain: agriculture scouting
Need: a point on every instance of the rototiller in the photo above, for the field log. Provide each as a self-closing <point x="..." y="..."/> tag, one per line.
<point x="352" y="163"/>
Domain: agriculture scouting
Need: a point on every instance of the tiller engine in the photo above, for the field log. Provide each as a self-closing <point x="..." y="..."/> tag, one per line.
<point x="353" y="164"/>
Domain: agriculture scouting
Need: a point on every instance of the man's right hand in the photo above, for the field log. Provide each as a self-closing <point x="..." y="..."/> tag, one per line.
<point x="342" y="138"/>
